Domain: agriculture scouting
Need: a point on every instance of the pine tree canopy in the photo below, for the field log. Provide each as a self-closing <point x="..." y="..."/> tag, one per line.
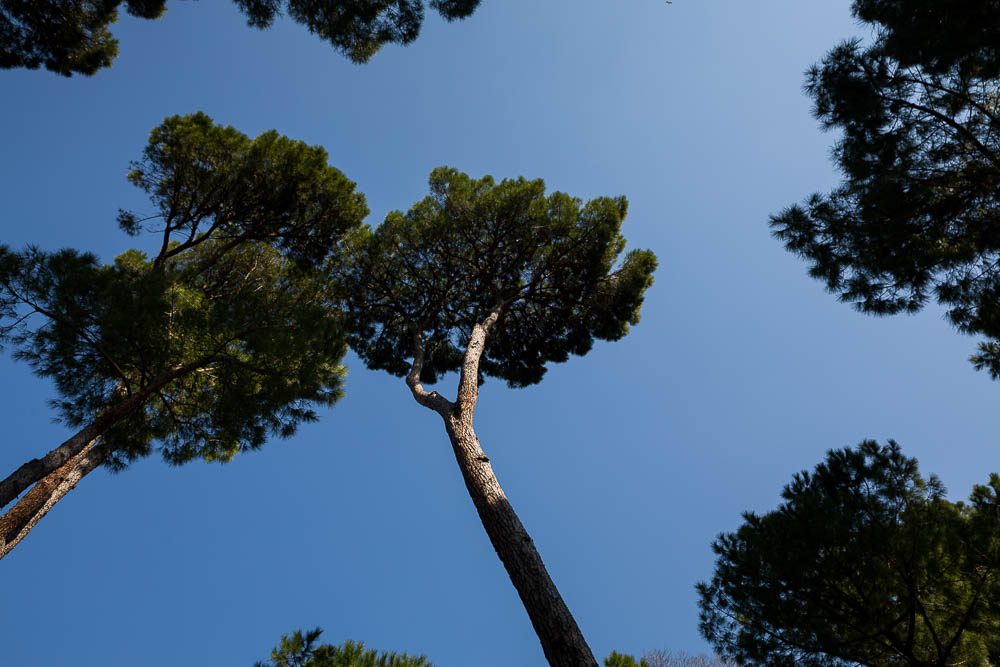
<point x="301" y="650"/>
<point x="73" y="37"/>
<point x="225" y="335"/>
<point x="917" y="215"/>
<point x="547" y="263"/>
<point x="493" y="279"/>
<point x="864" y="563"/>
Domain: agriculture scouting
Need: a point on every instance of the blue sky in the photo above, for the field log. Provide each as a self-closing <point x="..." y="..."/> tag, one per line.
<point x="623" y="465"/>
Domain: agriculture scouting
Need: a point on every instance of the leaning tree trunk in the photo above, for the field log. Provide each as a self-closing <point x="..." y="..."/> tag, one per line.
<point x="37" y="470"/>
<point x="17" y="522"/>
<point x="561" y="639"/>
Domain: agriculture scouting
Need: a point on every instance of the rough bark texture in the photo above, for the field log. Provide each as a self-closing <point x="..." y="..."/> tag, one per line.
<point x="18" y="521"/>
<point x="561" y="639"/>
<point x="36" y="469"/>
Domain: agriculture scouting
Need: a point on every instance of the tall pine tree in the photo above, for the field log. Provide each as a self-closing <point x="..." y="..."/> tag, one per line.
<point x="220" y="339"/>
<point x="494" y="280"/>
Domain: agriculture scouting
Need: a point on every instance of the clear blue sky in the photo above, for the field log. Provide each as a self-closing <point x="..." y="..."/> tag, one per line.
<point x="623" y="465"/>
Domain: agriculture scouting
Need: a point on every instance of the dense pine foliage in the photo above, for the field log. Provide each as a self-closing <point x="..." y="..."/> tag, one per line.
<point x="232" y="311"/>
<point x="865" y="562"/>
<point x="222" y="338"/>
<point x="546" y="263"/>
<point x="74" y="36"/>
<point x="917" y="215"/>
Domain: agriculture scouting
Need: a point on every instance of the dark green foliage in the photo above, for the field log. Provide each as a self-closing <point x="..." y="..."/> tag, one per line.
<point x="231" y="309"/>
<point x="548" y="263"/>
<point x="938" y="34"/>
<point x="917" y="215"/>
<point x="72" y="36"/>
<point x="864" y="563"/>
<point x="65" y="36"/>
<point x="300" y="650"/>
<point x="209" y="181"/>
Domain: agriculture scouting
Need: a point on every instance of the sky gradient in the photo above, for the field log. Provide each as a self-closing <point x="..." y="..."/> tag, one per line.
<point x="623" y="465"/>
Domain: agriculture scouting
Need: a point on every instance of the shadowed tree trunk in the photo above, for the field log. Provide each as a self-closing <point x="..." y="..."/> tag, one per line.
<point x="561" y="639"/>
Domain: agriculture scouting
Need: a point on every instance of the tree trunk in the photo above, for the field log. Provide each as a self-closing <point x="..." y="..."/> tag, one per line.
<point x="18" y="521"/>
<point x="561" y="639"/>
<point x="36" y="470"/>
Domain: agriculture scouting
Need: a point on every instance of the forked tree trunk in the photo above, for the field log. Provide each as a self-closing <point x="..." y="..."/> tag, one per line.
<point x="36" y="470"/>
<point x="17" y="522"/>
<point x="561" y="639"/>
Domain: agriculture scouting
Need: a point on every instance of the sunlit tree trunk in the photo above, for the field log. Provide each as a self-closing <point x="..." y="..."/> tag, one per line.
<point x="17" y="522"/>
<point x="36" y="470"/>
<point x="561" y="639"/>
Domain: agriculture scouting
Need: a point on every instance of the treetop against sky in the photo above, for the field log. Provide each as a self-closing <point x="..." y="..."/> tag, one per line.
<point x="623" y="466"/>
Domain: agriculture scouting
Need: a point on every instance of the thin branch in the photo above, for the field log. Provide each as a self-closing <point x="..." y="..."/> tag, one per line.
<point x="950" y="122"/>
<point x="82" y="332"/>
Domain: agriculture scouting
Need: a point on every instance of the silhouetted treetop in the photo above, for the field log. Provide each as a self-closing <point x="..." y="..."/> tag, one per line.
<point x="864" y="563"/>
<point x="73" y="37"/>
<point x="917" y="214"/>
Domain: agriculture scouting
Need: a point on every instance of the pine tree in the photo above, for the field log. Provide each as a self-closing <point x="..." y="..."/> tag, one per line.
<point x="917" y="215"/>
<point x="864" y="563"/>
<point x="224" y="337"/>
<point x="300" y="650"/>
<point x="622" y="660"/>
<point x="493" y="280"/>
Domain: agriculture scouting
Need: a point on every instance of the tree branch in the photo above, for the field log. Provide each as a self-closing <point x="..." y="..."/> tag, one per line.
<point x="468" y="383"/>
<point x="950" y="122"/>
<point x="429" y="399"/>
<point x="81" y="332"/>
<point x="930" y="626"/>
<point x="966" y="618"/>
